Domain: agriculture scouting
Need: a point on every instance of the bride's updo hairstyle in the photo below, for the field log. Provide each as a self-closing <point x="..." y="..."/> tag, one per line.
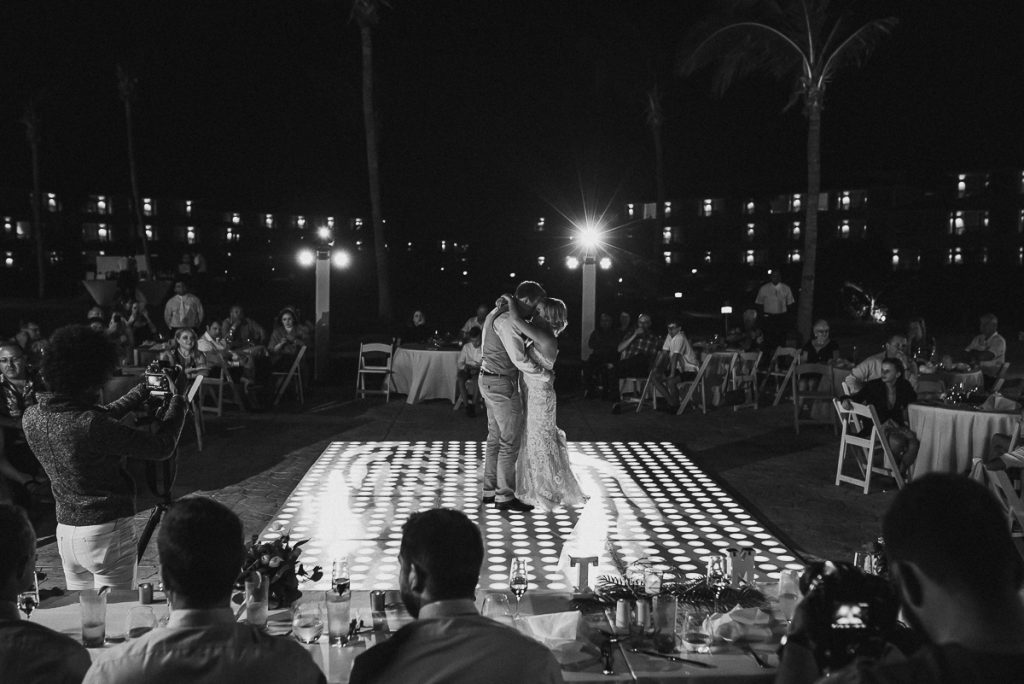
<point x="554" y="312"/>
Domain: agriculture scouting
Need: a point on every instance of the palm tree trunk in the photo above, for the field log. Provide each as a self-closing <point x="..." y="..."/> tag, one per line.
<point x="656" y="119"/>
<point x="373" y="168"/>
<point x="32" y="133"/>
<point x="809" y="258"/>
<point x="133" y="174"/>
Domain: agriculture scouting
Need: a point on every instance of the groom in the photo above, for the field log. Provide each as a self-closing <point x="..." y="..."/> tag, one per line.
<point x="504" y="357"/>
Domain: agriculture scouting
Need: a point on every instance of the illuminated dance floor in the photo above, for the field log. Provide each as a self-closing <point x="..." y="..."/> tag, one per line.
<point x="647" y="500"/>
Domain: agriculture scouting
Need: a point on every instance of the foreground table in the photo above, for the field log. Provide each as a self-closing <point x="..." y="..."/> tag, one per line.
<point x="580" y="663"/>
<point x="950" y="437"/>
<point x="422" y="373"/>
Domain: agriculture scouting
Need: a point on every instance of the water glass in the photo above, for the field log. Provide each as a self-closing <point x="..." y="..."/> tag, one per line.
<point x="341" y="577"/>
<point x="257" y="588"/>
<point x="696" y="638"/>
<point x="496" y="607"/>
<point x="397" y="616"/>
<point x="339" y="610"/>
<point x="94" y="617"/>
<point x="665" y="610"/>
<point x="307" y="621"/>
<point x="141" y="619"/>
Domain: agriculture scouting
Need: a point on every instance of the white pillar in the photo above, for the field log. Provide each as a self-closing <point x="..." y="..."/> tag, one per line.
<point x="322" y="338"/>
<point x="589" y="303"/>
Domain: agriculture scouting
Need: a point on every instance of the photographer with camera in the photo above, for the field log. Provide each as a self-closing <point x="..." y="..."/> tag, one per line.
<point x="82" y="448"/>
<point x="957" y="573"/>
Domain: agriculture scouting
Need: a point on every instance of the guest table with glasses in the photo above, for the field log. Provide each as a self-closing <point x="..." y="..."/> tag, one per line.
<point x="951" y="436"/>
<point x="579" y="651"/>
<point x="968" y="379"/>
<point x="423" y="372"/>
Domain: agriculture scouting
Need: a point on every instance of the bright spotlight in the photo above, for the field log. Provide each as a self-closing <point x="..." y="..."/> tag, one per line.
<point x="678" y="295"/>
<point x="572" y="262"/>
<point x="324" y="233"/>
<point x="726" y="309"/>
<point x="605" y="263"/>
<point x="341" y="259"/>
<point x="590" y="236"/>
<point x="306" y="257"/>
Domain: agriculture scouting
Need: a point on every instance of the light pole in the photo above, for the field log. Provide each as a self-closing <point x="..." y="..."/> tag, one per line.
<point x="589" y="237"/>
<point x="324" y="256"/>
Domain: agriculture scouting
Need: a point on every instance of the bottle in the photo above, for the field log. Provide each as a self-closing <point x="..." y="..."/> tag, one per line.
<point x="377" y="611"/>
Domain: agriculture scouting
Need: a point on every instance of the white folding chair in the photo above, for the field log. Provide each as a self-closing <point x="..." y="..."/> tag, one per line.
<point x="720" y="367"/>
<point x="213" y="389"/>
<point x="744" y="379"/>
<point x="375" y="359"/>
<point x="649" y="390"/>
<point x="691" y="387"/>
<point x="1000" y="378"/>
<point x="865" y="447"/>
<point x="779" y="371"/>
<point x="821" y="375"/>
<point x="286" y="378"/>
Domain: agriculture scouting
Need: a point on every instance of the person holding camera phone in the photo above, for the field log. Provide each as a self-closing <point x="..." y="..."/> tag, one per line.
<point x="82" y="447"/>
<point x="958" y="575"/>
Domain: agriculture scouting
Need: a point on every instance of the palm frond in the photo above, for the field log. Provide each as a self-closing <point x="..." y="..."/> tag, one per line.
<point x="854" y="50"/>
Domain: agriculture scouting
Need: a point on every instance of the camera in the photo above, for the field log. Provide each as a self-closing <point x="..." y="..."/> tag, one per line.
<point x="849" y="613"/>
<point x="157" y="380"/>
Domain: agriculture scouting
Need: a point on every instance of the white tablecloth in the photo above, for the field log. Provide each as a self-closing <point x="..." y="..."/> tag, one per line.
<point x="951" y="437"/>
<point x="425" y="373"/>
<point x="969" y="379"/>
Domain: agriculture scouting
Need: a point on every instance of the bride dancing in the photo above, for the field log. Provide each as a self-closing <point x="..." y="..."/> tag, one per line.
<point x="543" y="474"/>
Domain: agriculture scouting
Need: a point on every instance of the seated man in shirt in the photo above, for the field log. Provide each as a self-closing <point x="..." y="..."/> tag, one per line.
<point x="476" y="321"/>
<point x="29" y="653"/>
<point x="679" y="364"/>
<point x="988" y="349"/>
<point x="638" y="350"/>
<point x="871" y="367"/>
<point x="449" y="642"/>
<point x="18" y="467"/>
<point x="201" y="553"/>
<point x="958" y="574"/>
<point x="467" y="386"/>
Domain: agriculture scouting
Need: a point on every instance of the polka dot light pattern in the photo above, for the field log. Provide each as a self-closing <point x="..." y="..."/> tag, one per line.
<point x="647" y="500"/>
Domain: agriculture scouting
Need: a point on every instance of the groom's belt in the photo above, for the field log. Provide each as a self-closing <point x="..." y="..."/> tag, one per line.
<point x="500" y="375"/>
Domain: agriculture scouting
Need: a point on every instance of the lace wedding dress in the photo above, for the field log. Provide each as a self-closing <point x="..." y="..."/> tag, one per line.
<point x="543" y="474"/>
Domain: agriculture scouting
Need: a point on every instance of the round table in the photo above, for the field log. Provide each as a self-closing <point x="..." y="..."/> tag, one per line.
<point x="950" y="437"/>
<point x="423" y="373"/>
<point x="969" y="379"/>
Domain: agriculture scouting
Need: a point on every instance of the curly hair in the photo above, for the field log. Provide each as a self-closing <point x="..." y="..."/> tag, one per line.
<point x="78" y="359"/>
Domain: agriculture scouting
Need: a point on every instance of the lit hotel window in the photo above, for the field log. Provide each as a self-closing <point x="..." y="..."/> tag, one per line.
<point x="956" y="256"/>
<point x="750" y="231"/>
<point x="1020" y="256"/>
<point x="630" y="210"/>
<point x="300" y="221"/>
<point x="9" y="224"/>
<point x="540" y="261"/>
<point x="844" y="200"/>
<point x="103" y="233"/>
<point x="707" y="207"/>
<point x="748" y="208"/>
<point x="9" y="259"/>
<point x="895" y="258"/>
<point x="190" y="235"/>
<point x="236" y="218"/>
<point x="748" y="258"/>
<point x="188" y="207"/>
<point x="666" y="235"/>
<point x="794" y="256"/>
<point x="707" y="257"/>
<point x="961" y="185"/>
<point x="22" y="229"/>
<point x="796" y="202"/>
<point x="268" y="220"/>
<point x="844" y="229"/>
<point x="540" y="225"/>
<point x="149" y="231"/>
<point x="984" y="219"/>
<point x="668" y="208"/>
<point x="650" y="210"/>
<point x="51" y="201"/>
<point x="667" y="256"/>
<point x="330" y="222"/>
<point x="983" y="256"/>
<point x="956" y="223"/>
<point x="147" y="206"/>
<point x="795" y="232"/>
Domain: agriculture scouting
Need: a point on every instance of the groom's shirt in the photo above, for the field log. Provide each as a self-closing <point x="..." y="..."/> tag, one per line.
<point x="504" y="351"/>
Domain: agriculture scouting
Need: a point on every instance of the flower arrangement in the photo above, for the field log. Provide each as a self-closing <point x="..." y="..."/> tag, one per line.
<point x="277" y="562"/>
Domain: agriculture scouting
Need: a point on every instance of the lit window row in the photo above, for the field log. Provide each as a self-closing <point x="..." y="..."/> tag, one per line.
<point x="962" y="221"/>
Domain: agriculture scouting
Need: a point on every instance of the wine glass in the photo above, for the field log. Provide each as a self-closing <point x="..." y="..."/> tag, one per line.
<point x="141" y="619"/>
<point x="307" y="621"/>
<point x="27" y="602"/>
<point x="518" y="580"/>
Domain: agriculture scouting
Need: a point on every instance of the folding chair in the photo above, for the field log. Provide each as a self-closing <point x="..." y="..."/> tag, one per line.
<point x="719" y="367"/>
<point x="197" y="412"/>
<point x="690" y="387"/>
<point x="648" y="390"/>
<point x="375" y="358"/>
<point x="1000" y="378"/>
<point x="293" y="374"/>
<point x="779" y="371"/>
<point x="804" y="373"/>
<point x="744" y="379"/>
<point x="865" y="446"/>
<point x="213" y="389"/>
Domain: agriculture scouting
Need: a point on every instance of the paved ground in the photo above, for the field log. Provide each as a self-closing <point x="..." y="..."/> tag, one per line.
<point x="252" y="461"/>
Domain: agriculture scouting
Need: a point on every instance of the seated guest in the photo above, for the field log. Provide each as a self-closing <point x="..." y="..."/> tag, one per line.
<point x="18" y="466"/>
<point x="29" y="653"/>
<point x="604" y="352"/>
<point x="288" y="338"/>
<point x="467" y="387"/>
<point x="821" y="348"/>
<point x="958" y="574"/>
<point x="922" y="347"/>
<point x="449" y="642"/>
<point x="677" y="363"/>
<point x="17" y="385"/>
<point x="141" y="327"/>
<point x="183" y="353"/>
<point x="871" y="367"/>
<point x="891" y="395"/>
<point x="241" y="331"/>
<point x="120" y="334"/>
<point x="749" y="338"/>
<point x="83" y="448"/>
<point x="637" y="350"/>
<point x="201" y="555"/>
<point x="625" y="325"/>
<point x="988" y="349"/>
<point x="417" y="331"/>
<point x="476" y="321"/>
<point x="28" y="333"/>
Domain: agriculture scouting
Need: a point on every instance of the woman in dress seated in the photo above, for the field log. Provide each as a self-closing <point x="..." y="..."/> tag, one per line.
<point x="891" y="395"/>
<point x="184" y="353"/>
<point x="544" y="475"/>
<point x="417" y="331"/>
<point x="288" y="338"/>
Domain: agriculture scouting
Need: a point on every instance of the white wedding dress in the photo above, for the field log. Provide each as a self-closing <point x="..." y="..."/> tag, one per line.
<point x="544" y="476"/>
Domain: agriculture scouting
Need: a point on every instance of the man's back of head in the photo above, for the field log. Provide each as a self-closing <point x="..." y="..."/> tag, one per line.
<point x="447" y="547"/>
<point x="530" y="291"/>
<point x="200" y="547"/>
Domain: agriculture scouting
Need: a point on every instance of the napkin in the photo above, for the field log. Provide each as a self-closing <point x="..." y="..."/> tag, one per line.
<point x="554" y="630"/>
<point x="752" y="624"/>
<point x="997" y="402"/>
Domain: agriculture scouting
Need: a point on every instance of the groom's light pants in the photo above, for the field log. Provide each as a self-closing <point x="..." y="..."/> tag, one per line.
<point x="504" y="423"/>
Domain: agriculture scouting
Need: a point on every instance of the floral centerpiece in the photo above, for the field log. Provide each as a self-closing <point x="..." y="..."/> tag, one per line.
<point x="277" y="563"/>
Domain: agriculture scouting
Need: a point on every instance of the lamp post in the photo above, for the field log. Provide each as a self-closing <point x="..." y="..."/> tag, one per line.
<point x="589" y="237"/>
<point x="323" y="257"/>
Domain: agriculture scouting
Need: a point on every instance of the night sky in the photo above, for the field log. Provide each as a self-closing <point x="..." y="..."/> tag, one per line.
<point x="489" y="111"/>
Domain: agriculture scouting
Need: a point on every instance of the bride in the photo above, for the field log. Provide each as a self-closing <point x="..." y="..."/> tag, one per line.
<point x="543" y="475"/>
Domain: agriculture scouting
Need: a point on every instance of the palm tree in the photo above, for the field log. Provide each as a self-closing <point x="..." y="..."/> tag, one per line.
<point x="126" y="82"/>
<point x="655" y="120"/>
<point x="367" y="15"/>
<point x="804" y="43"/>
<point x="31" y="122"/>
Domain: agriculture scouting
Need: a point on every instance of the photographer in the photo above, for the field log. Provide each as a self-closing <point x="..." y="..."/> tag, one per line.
<point x="958" y="574"/>
<point x="82" y="448"/>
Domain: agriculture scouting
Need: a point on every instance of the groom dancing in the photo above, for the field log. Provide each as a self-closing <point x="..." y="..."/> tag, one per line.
<point x="504" y="357"/>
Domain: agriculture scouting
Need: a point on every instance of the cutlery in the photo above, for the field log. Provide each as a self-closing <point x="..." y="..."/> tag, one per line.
<point x="674" y="659"/>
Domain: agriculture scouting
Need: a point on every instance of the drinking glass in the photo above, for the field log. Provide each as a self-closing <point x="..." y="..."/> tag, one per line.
<point x="141" y="619"/>
<point x="339" y="608"/>
<point x="341" y="578"/>
<point x="257" y="588"/>
<point x="94" y="617"/>
<point x="519" y="580"/>
<point x="496" y="607"/>
<point x="307" y="621"/>
<point x="665" y="608"/>
<point x="696" y="638"/>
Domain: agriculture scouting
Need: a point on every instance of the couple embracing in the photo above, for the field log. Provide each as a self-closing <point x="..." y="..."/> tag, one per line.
<point x="526" y="461"/>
